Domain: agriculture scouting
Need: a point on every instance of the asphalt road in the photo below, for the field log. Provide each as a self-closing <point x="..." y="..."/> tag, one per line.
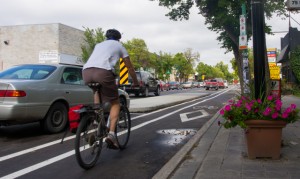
<point x="27" y="152"/>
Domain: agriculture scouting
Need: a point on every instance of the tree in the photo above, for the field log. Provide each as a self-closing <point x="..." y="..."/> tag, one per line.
<point x="139" y="54"/>
<point x="192" y="57"/>
<point x="183" y="67"/>
<point x="91" y="37"/>
<point x="295" y="63"/>
<point x="224" y="68"/>
<point x="222" y="16"/>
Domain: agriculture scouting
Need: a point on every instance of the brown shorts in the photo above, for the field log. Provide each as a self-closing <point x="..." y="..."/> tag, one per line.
<point x="109" y="90"/>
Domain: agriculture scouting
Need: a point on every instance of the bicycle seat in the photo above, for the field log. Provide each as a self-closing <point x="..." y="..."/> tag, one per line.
<point x="95" y="85"/>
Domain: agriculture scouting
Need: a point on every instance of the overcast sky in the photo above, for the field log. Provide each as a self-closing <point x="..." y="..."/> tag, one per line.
<point x="142" y="19"/>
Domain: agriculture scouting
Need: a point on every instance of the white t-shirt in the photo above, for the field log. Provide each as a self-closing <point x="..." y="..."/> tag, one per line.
<point x="106" y="54"/>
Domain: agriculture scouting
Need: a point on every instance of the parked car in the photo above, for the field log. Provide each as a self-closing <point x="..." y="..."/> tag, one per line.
<point x="43" y="92"/>
<point x="174" y="85"/>
<point x="147" y="84"/>
<point x="201" y="84"/>
<point x="164" y="86"/>
<point x="197" y="84"/>
<point x="187" y="85"/>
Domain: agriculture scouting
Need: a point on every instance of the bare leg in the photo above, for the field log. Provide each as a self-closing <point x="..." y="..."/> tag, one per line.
<point x="96" y="98"/>
<point x="114" y="114"/>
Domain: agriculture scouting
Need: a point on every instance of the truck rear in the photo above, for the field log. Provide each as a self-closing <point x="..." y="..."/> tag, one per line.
<point x="213" y="83"/>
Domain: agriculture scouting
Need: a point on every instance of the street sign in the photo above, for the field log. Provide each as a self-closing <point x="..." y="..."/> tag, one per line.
<point x="274" y="72"/>
<point x="271" y="53"/>
<point x="293" y="4"/>
<point x="243" y="42"/>
<point x="242" y="25"/>
<point x="123" y="73"/>
<point x="276" y="88"/>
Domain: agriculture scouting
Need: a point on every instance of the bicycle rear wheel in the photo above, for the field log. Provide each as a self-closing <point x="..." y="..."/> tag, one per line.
<point x="123" y="127"/>
<point x="87" y="143"/>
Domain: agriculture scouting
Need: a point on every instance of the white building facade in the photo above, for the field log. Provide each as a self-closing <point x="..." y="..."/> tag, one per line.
<point x="41" y="43"/>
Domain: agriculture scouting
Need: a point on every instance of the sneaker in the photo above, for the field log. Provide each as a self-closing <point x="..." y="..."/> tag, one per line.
<point x="112" y="141"/>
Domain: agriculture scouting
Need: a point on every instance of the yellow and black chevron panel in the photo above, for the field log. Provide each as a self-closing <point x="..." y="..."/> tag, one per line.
<point x="123" y="73"/>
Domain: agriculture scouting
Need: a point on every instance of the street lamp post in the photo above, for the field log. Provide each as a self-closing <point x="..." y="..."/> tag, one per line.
<point x="259" y="47"/>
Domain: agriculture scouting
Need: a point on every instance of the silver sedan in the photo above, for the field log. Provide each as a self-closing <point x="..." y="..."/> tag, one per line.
<point x="43" y="92"/>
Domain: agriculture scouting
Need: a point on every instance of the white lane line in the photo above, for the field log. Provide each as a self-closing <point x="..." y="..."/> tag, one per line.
<point x="39" y="165"/>
<point x="33" y="149"/>
<point x="72" y="152"/>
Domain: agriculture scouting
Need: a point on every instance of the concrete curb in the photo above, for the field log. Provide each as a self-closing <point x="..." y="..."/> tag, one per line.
<point x="160" y="106"/>
<point x="167" y="170"/>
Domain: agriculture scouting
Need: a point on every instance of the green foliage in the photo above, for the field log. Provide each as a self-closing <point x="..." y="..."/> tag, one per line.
<point x="183" y="67"/>
<point x="224" y="68"/>
<point x="295" y="62"/>
<point x="222" y="17"/>
<point x="138" y="52"/>
<point x="91" y="37"/>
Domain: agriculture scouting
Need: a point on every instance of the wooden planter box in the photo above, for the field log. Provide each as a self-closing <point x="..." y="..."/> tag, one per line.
<point x="263" y="138"/>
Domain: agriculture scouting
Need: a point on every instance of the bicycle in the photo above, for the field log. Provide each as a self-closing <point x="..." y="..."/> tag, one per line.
<point x="93" y="129"/>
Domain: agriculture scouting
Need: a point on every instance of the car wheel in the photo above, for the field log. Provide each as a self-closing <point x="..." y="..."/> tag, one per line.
<point x="157" y="91"/>
<point x="56" y="118"/>
<point x="207" y="88"/>
<point x="146" y="92"/>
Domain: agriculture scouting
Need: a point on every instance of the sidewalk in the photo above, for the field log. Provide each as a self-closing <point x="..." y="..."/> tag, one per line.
<point x="216" y="152"/>
<point x="153" y="103"/>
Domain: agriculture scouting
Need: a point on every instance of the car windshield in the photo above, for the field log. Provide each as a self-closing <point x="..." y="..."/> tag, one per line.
<point x="28" y="72"/>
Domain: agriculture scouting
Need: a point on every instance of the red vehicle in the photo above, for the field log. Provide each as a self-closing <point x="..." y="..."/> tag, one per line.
<point x="213" y="83"/>
<point x="164" y="86"/>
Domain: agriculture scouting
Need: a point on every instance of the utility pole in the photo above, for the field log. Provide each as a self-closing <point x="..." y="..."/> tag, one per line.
<point x="259" y="48"/>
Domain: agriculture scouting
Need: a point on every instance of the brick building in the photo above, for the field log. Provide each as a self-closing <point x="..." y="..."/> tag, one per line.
<point x="40" y="43"/>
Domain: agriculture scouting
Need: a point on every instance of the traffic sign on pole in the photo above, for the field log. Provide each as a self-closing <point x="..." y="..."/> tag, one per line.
<point x="123" y="73"/>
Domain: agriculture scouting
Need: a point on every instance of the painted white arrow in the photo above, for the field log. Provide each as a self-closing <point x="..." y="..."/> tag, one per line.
<point x="184" y="117"/>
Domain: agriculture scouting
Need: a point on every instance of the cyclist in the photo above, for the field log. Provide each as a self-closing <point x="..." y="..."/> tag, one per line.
<point x="100" y="68"/>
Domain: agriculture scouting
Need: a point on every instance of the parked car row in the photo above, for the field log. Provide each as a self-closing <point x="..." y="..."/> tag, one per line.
<point x="192" y="84"/>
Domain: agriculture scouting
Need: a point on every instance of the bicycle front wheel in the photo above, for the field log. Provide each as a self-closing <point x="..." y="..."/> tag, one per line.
<point x="87" y="143"/>
<point x="123" y="127"/>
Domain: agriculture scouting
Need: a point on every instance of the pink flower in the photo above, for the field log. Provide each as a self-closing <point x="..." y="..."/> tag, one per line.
<point x="285" y="115"/>
<point x="278" y="106"/>
<point x="267" y="111"/>
<point x="270" y="98"/>
<point x="293" y="106"/>
<point x="275" y="115"/>
<point x="248" y="106"/>
<point x="259" y="101"/>
<point x="227" y="107"/>
<point x="287" y="110"/>
<point x="222" y="112"/>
